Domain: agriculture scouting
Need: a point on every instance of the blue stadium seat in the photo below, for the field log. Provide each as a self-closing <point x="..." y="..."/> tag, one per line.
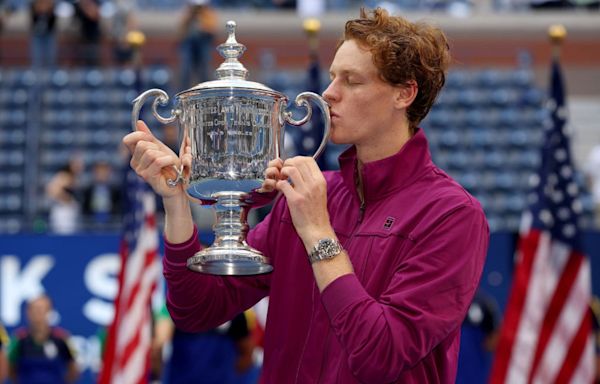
<point x="507" y="180"/>
<point x="532" y="97"/>
<point x="94" y="78"/>
<point x="516" y="202"/>
<point x="60" y="78"/>
<point x="490" y="78"/>
<point x="159" y="77"/>
<point x="469" y="180"/>
<point x="450" y="139"/>
<point x="11" y="224"/>
<point x="505" y="97"/>
<point x="522" y="78"/>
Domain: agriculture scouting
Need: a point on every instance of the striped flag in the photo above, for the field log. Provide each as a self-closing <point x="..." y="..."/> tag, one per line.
<point x="546" y="336"/>
<point x="126" y="354"/>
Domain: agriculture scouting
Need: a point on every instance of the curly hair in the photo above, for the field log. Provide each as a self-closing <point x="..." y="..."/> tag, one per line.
<point x="403" y="52"/>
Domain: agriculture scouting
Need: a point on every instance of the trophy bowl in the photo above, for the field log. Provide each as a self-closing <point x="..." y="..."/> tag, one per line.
<point x="234" y="128"/>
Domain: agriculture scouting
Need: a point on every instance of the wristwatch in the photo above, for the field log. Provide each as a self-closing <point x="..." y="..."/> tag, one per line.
<point x="325" y="249"/>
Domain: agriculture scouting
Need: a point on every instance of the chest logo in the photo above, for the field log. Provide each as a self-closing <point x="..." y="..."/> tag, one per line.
<point x="389" y="221"/>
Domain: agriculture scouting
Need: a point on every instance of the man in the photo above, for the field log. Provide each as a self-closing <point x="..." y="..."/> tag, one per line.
<point x="222" y="355"/>
<point x="3" y="361"/>
<point x="41" y="353"/>
<point x="395" y="247"/>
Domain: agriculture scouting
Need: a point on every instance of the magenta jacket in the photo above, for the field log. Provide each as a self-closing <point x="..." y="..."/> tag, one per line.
<point x="418" y="247"/>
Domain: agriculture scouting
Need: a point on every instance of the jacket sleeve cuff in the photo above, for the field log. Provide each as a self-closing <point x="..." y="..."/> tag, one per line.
<point x="341" y="293"/>
<point x="176" y="255"/>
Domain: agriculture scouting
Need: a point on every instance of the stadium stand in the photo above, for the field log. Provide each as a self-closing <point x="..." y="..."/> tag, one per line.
<point x="485" y="130"/>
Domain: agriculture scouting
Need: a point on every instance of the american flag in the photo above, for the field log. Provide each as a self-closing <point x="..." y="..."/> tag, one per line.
<point x="546" y="336"/>
<point x="126" y="356"/>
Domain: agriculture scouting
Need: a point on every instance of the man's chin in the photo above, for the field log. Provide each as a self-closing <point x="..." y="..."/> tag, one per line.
<point x="337" y="140"/>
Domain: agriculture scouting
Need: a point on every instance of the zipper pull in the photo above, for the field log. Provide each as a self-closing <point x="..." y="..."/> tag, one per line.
<point x="362" y="211"/>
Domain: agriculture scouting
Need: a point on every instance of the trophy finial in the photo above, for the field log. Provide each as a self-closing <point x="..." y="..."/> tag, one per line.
<point x="231" y="51"/>
<point x="230" y="26"/>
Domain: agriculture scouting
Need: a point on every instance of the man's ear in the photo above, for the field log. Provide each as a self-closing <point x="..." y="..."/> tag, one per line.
<point x="406" y="94"/>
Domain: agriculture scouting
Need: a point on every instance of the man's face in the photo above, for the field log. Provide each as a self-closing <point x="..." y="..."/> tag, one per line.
<point x="362" y="104"/>
<point x="38" y="311"/>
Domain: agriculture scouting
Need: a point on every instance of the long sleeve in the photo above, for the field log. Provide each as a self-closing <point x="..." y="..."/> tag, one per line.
<point x="424" y="302"/>
<point x="198" y="301"/>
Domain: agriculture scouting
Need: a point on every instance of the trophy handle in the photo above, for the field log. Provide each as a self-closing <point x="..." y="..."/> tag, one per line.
<point x="302" y="101"/>
<point x="161" y="98"/>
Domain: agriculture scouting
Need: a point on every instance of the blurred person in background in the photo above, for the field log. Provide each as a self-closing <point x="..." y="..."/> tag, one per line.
<point x="63" y="193"/>
<point x="3" y="361"/>
<point x="478" y="340"/>
<point x="595" y="308"/>
<point x="196" y="34"/>
<point x="40" y="352"/>
<point x="219" y="356"/>
<point x="375" y="265"/>
<point x="101" y="199"/>
<point x="592" y="172"/>
<point x="87" y="14"/>
<point x="43" y="34"/>
<point x="6" y="9"/>
<point x="122" y="22"/>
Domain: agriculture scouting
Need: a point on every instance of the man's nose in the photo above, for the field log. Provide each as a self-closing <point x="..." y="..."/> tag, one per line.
<point x="330" y="94"/>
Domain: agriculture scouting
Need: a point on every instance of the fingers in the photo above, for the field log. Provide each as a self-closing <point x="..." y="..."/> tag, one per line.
<point x="153" y="164"/>
<point x="286" y="188"/>
<point x="269" y="185"/>
<point x="142" y="133"/>
<point x="149" y="159"/>
<point x="303" y="172"/>
<point x="140" y="126"/>
<point x="132" y="139"/>
<point x="272" y="175"/>
<point x="276" y="163"/>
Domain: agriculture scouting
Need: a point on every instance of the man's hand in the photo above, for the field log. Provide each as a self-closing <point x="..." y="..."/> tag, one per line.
<point x="305" y="190"/>
<point x="154" y="161"/>
<point x="272" y="176"/>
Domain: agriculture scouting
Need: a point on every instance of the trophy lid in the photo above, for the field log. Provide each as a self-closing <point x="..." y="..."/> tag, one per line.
<point x="231" y="73"/>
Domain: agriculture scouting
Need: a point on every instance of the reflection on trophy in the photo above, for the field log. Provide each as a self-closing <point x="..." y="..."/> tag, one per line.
<point x="234" y="127"/>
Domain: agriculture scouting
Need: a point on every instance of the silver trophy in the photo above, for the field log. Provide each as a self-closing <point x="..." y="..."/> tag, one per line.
<point x="234" y="127"/>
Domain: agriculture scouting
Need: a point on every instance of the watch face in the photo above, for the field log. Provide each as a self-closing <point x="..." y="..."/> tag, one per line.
<point x="325" y="249"/>
<point x="328" y="247"/>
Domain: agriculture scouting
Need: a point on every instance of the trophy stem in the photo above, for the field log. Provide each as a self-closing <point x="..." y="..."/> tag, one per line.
<point x="230" y="254"/>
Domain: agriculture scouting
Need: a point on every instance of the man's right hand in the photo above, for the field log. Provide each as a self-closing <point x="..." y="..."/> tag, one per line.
<point x="272" y="176"/>
<point x="154" y="161"/>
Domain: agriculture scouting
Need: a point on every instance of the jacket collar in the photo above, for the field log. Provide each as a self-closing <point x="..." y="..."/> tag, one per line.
<point x="385" y="176"/>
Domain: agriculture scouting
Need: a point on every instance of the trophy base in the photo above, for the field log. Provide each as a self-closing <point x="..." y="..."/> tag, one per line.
<point x="237" y="260"/>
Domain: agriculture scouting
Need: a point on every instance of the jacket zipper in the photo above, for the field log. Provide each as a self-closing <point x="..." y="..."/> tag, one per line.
<point x="361" y="213"/>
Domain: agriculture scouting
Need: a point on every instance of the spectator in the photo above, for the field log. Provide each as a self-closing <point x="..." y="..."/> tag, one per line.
<point x="219" y="356"/>
<point x="62" y="190"/>
<point x="478" y="339"/>
<point x="3" y="361"/>
<point x="87" y="13"/>
<point x="102" y="198"/>
<point x="40" y="352"/>
<point x="592" y="171"/>
<point x="43" y="34"/>
<point x="122" y="22"/>
<point x="197" y="31"/>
